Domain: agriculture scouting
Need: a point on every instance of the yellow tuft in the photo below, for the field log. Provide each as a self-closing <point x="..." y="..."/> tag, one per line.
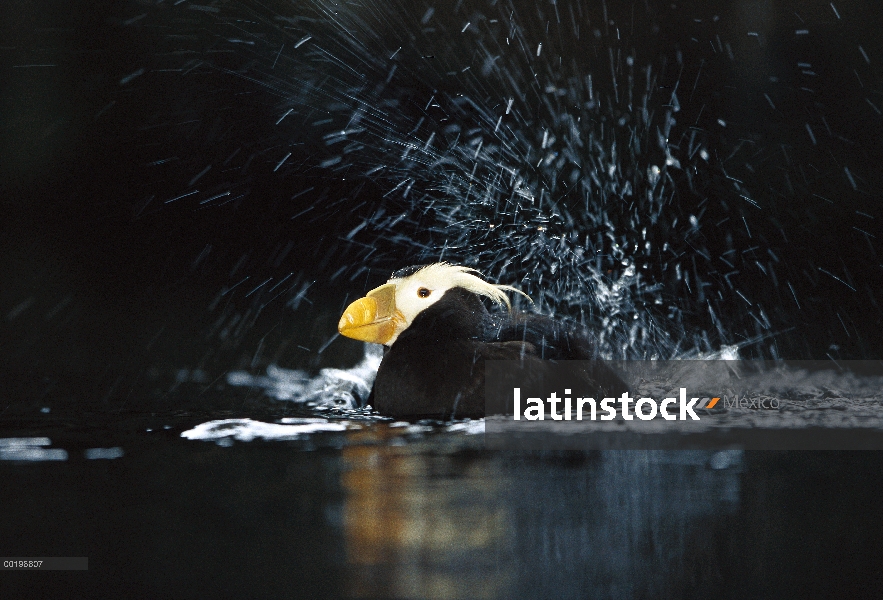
<point x="460" y="276"/>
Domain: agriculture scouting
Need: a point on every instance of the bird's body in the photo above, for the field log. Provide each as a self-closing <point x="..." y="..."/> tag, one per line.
<point x="434" y="366"/>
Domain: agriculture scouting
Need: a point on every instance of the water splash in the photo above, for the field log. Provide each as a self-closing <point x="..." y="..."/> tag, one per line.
<point x="576" y="189"/>
<point x="550" y="146"/>
<point x="339" y="389"/>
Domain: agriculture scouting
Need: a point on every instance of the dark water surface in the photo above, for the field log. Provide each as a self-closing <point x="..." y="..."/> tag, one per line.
<point x="180" y="204"/>
<point x="387" y="509"/>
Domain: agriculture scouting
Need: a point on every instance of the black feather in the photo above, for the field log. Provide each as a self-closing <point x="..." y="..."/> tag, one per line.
<point x="435" y="369"/>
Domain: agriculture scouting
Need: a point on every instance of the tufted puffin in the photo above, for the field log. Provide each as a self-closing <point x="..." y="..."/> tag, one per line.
<point x="438" y="334"/>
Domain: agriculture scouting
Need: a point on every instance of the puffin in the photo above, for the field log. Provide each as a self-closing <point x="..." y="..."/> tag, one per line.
<point x="438" y="332"/>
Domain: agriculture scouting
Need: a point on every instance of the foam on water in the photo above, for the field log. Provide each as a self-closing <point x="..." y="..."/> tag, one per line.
<point x="331" y="388"/>
<point x="103" y="453"/>
<point x="224" y="431"/>
<point x="30" y="449"/>
<point x="247" y="430"/>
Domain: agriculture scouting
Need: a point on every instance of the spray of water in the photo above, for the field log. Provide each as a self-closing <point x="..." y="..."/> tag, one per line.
<point x="563" y="178"/>
<point x="537" y="142"/>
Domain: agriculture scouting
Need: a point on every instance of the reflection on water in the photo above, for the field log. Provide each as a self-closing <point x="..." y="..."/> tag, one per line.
<point x="381" y="509"/>
<point x="634" y="521"/>
<point x="421" y="524"/>
<point x="460" y="522"/>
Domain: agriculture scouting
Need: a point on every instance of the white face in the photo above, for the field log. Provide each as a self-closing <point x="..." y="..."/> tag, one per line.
<point x="386" y="311"/>
<point x="414" y="294"/>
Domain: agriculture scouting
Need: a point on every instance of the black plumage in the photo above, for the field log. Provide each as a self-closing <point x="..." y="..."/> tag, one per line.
<point x="436" y="367"/>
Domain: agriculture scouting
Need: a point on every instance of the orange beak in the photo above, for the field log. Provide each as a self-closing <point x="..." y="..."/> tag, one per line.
<point x="371" y="319"/>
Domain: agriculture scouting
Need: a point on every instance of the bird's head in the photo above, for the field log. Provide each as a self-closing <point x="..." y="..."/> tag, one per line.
<point x="386" y="311"/>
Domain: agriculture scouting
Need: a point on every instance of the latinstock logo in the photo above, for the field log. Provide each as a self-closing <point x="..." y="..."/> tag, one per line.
<point x="580" y="408"/>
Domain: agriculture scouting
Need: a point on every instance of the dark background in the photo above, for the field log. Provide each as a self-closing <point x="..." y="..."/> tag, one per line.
<point x="112" y="293"/>
<point x="106" y="287"/>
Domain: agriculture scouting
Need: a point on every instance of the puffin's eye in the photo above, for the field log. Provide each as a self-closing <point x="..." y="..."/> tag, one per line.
<point x="424" y="293"/>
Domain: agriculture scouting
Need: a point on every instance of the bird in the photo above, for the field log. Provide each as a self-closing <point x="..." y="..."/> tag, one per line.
<point x="438" y="333"/>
